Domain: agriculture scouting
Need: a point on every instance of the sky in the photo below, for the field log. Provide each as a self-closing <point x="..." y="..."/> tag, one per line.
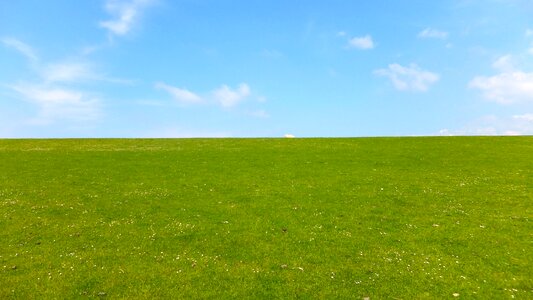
<point x="255" y="68"/>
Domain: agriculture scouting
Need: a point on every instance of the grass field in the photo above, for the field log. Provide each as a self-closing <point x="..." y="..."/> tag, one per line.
<point x="384" y="218"/>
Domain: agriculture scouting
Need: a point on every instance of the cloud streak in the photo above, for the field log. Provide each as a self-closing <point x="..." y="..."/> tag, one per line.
<point x="504" y="64"/>
<point x="524" y="117"/>
<point x="21" y="47"/>
<point x="124" y="15"/>
<point x="57" y="103"/>
<point x="410" y="78"/>
<point x="68" y="72"/>
<point x="76" y="72"/>
<point x="54" y="93"/>
<point x="223" y="96"/>
<point x="182" y="96"/>
<point x="431" y="33"/>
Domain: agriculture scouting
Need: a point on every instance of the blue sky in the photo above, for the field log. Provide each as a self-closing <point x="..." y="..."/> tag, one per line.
<point x="254" y="68"/>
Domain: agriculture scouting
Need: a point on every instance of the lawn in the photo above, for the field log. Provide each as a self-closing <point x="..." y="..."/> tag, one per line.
<point x="384" y="218"/>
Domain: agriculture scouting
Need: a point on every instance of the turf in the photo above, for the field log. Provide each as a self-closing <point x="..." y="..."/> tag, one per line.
<point x="442" y="217"/>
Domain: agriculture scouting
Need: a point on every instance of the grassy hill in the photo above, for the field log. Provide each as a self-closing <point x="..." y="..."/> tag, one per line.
<point x="442" y="217"/>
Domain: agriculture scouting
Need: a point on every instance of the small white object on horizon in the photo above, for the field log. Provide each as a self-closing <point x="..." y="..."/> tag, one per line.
<point x="289" y="136"/>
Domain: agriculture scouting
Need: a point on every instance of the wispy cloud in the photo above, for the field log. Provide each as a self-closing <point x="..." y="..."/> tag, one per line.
<point x="410" y="78"/>
<point x="124" y="15"/>
<point x="56" y="90"/>
<point x="182" y="96"/>
<point x="21" y="47"/>
<point x="228" y="97"/>
<point x="431" y="33"/>
<point x="524" y="117"/>
<point x="76" y="72"/>
<point x="341" y="33"/>
<point x="504" y="63"/>
<point x="529" y="32"/>
<point x="59" y="103"/>
<point x="68" y="72"/>
<point x="224" y="96"/>
<point x="362" y="43"/>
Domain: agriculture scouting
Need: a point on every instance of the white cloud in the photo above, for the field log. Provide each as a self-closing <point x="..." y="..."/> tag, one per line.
<point x="469" y="131"/>
<point x="504" y="64"/>
<point x="524" y="117"/>
<point x="410" y="78"/>
<point x="505" y="88"/>
<point x="228" y="97"/>
<point x="21" y="47"/>
<point x="76" y="71"/>
<point x="430" y="33"/>
<point x="67" y="72"/>
<point x="125" y="14"/>
<point x="64" y="71"/>
<point x="362" y="43"/>
<point x="58" y="103"/>
<point x="183" y="96"/>
<point x="88" y="50"/>
<point x="495" y="125"/>
<point x="223" y="96"/>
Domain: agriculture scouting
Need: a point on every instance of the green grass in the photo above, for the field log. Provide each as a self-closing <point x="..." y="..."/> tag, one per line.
<point x="382" y="218"/>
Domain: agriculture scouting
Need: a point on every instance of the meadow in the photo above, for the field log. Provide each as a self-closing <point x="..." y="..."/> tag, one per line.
<point x="377" y="218"/>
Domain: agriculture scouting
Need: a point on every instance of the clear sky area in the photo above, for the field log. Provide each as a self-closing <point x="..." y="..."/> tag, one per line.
<point x="256" y="68"/>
